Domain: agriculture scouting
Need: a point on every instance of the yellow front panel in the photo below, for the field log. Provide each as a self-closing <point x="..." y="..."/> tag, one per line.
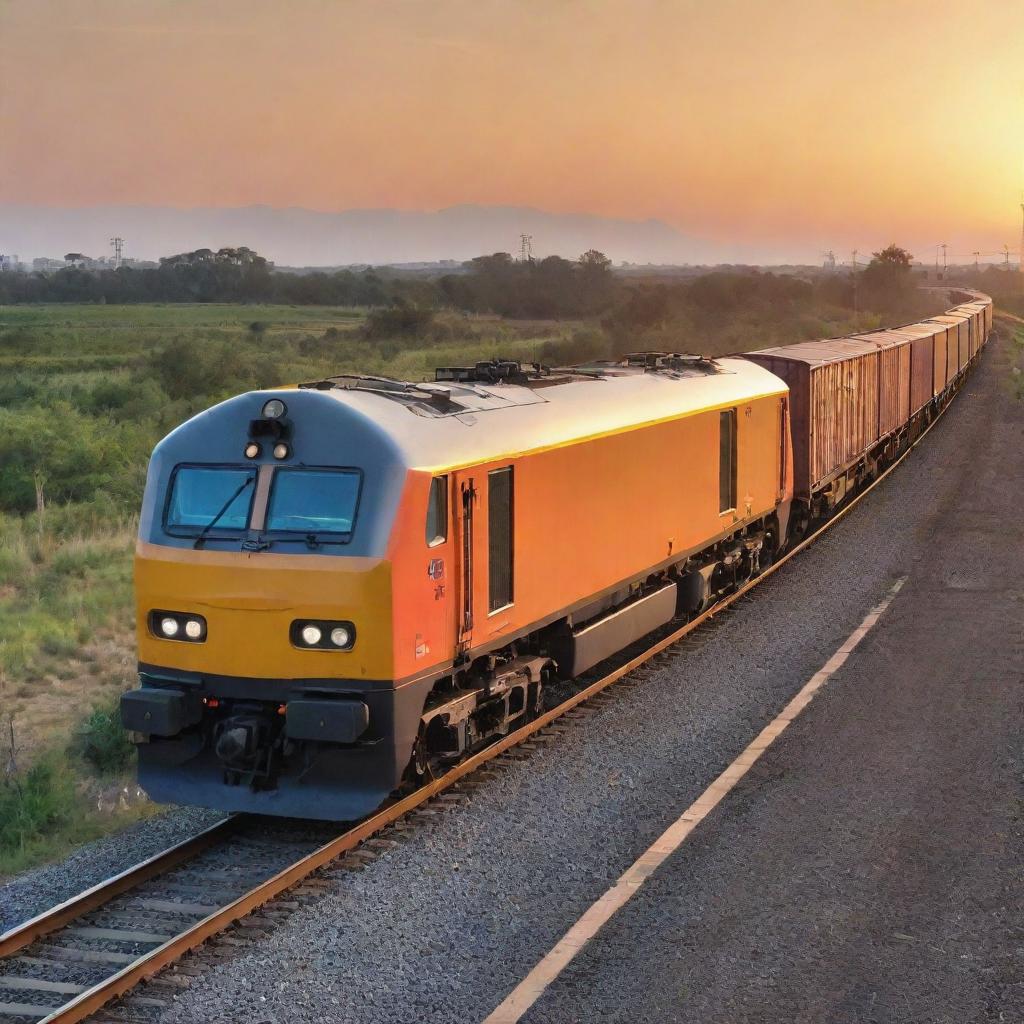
<point x="249" y="601"/>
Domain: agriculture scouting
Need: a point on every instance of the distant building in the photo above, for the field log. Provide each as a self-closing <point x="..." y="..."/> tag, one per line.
<point x="9" y="264"/>
<point x="46" y="265"/>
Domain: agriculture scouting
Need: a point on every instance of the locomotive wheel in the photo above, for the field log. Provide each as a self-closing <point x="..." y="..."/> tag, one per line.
<point x="420" y="770"/>
<point x="769" y="551"/>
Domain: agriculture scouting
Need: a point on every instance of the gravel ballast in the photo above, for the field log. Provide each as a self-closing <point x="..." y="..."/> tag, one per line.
<point x="33" y="892"/>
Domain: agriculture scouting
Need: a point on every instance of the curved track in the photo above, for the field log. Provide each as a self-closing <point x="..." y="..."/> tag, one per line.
<point x="103" y="942"/>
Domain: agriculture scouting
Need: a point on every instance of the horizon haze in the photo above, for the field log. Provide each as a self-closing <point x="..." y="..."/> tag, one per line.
<point x="739" y="132"/>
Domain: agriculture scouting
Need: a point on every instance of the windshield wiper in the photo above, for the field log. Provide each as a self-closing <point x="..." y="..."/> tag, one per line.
<point x="227" y="504"/>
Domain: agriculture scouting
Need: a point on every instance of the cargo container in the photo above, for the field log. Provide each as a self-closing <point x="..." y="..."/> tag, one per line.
<point x="981" y="315"/>
<point x="941" y="358"/>
<point x="834" y="404"/>
<point x="955" y="325"/>
<point x="973" y="327"/>
<point x="959" y="342"/>
<point x="927" y="370"/>
<point x="894" y="351"/>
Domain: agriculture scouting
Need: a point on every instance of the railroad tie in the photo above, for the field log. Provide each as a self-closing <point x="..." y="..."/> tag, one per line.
<point x="26" y="1010"/>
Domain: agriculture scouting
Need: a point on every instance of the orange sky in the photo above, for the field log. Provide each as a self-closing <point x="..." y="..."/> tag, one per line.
<point x="824" y="124"/>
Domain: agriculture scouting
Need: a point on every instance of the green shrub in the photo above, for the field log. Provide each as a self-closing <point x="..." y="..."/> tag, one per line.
<point x="14" y="563"/>
<point x="104" y="743"/>
<point x="402" y="321"/>
<point x="583" y="345"/>
<point x="33" y="805"/>
<point x="190" y="367"/>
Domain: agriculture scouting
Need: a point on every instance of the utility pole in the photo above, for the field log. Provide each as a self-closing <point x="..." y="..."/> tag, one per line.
<point x="945" y="246"/>
<point x="1006" y="257"/>
<point x="118" y="246"/>
<point x="526" y="248"/>
<point x="854" y="264"/>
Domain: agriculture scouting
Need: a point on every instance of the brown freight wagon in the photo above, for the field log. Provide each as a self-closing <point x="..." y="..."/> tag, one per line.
<point x="894" y="366"/>
<point x="940" y="364"/>
<point x="927" y="363"/>
<point x="981" y="320"/>
<point x="958" y="340"/>
<point x="928" y="371"/>
<point x="973" y="327"/>
<point x="834" y="405"/>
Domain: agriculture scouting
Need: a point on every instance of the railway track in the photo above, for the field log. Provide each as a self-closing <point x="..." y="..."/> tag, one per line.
<point x="67" y="963"/>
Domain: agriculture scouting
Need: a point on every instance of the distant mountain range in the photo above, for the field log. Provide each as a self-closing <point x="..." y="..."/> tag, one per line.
<point x="294" y="236"/>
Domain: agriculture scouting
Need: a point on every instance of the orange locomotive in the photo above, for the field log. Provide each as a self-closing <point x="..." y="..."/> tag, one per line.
<point x="345" y="582"/>
<point x="344" y="586"/>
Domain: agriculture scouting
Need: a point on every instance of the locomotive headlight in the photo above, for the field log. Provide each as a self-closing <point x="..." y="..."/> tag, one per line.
<point x="184" y="627"/>
<point x="323" y="634"/>
<point x="281" y="450"/>
<point x="252" y="450"/>
<point x="274" y="409"/>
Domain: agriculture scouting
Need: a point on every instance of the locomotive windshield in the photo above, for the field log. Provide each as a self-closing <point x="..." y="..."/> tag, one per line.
<point x="219" y="501"/>
<point x="313" y="501"/>
<point x="201" y="495"/>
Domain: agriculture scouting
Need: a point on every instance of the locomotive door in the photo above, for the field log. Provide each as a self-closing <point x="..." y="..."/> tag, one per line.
<point x="465" y="512"/>
<point x="436" y="628"/>
<point x="484" y="545"/>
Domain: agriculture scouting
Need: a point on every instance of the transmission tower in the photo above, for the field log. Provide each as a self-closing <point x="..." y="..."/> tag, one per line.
<point x="526" y="248"/>
<point x="118" y="246"/>
<point x="854" y="265"/>
<point x="830" y="260"/>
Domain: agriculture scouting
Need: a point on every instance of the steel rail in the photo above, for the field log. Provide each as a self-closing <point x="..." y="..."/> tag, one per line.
<point x="149" y="964"/>
<point x="103" y="892"/>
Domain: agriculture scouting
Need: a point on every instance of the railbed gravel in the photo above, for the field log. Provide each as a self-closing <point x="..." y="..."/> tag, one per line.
<point x="441" y="927"/>
<point x="28" y="894"/>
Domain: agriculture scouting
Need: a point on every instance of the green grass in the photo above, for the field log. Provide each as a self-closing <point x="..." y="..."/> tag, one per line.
<point x="45" y="812"/>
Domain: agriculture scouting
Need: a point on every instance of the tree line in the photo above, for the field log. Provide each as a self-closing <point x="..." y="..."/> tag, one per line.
<point x="549" y="288"/>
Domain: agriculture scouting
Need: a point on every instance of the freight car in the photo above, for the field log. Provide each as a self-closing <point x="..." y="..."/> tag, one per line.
<point x="857" y="402"/>
<point x="345" y="586"/>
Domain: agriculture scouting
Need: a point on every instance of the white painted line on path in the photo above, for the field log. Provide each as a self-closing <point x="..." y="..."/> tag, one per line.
<point x="533" y="986"/>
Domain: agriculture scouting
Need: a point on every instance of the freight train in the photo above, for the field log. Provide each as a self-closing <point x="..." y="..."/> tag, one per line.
<point x="346" y="585"/>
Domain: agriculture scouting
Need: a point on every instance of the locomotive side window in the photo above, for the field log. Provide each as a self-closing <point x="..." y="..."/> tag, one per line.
<point x="499" y="538"/>
<point x="313" y="501"/>
<point x="727" y="460"/>
<point x="437" y="512"/>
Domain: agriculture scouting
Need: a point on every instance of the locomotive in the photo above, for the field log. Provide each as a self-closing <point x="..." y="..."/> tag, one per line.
<point x="346" y="585"/>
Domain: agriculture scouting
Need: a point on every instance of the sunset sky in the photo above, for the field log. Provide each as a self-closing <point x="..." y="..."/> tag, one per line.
<point x="797" y="125"/>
